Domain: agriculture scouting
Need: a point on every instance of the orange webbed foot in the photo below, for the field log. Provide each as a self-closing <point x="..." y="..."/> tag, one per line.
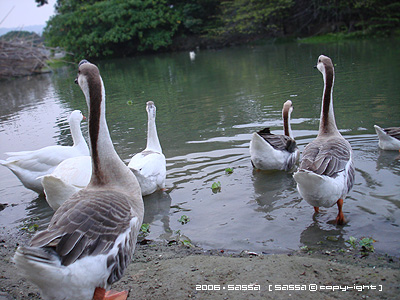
<point x="316" y="209"/>
<point x="102" y="294"/>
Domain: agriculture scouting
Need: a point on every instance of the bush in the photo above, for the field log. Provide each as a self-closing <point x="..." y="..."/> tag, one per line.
<point x="110" y="28"/>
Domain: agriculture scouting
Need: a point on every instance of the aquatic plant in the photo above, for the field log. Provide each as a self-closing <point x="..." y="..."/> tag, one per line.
<point x="229" y="170"/>
<point x="216" y="187"/>
<point x="30" y="225"/>
<point x="365" y="245"/>
<point x="184" y="219"/>
<point x="145" y="228"/>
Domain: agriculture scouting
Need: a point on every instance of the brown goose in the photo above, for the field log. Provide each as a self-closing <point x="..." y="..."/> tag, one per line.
<point x="326" y="172"/>
<point x="275" y="152"/>
<point x="91" y="238"/>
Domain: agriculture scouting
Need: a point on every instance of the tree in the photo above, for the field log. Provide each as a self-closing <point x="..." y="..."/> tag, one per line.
<point x="254" y="17"/>
<point x="115" y="27"/>
<point x="41" y="2"/>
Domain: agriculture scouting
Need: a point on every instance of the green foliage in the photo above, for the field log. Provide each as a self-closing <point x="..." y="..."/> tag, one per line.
<point x="145" y="228"/>
<point x="109" y="28"/>
<point x="365" y="245"/>
<point x="184" y="219"/>
<point x="370" y="17"/>
<point x="41" y="2"/>
<point x="255" y="16"/>
<point x="106" y="28"/>
<point x="353" y="242"/>
<point x="197" y="15"/>
<point x="21" y="34"/>
<point x="229" y="170"/>
<point x="216" y="187"/>
<point x="30" y="225"/>
<point x="187" y="243"/>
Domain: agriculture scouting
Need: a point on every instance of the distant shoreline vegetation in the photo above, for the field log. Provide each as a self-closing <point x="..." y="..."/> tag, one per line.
<point x="38" y="29"/>
<point x="113" y="28"/>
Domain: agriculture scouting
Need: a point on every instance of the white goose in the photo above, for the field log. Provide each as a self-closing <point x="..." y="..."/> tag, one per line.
<point x="149" y="166"/>
<point x="91" y="237"/>
<point x="69" y="177"/>
<point x="326" y="172"/>
<point x="389" y="138"/>
<point x="29" y="165"/>
<point x="192" y="55"/>
<point x="275" y="152"/>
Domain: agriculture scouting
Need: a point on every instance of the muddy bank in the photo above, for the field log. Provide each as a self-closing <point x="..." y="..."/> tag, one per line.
<point x="162" y="271"/>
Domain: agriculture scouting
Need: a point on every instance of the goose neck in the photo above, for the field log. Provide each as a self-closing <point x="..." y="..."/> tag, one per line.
<point x="286" y="123"/>
<point x="104" y="156"/>
<point x="76" y="133"/>
<point x="327" y="119"/>
<point x="153" y="142"/>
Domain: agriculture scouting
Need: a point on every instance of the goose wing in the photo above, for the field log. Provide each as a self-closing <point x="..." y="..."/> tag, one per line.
<point x="90" y="223"/>
<point x="148" y="163"/>
<point x="279" y="142"/>
<point x="326" y="157"/>
<point x="41" y="159"/>
<point x="393" y="132"/>
<point x="75" y="171"/>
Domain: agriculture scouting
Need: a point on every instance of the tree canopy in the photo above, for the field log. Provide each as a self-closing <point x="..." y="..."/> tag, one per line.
<point x="103" y="28"/>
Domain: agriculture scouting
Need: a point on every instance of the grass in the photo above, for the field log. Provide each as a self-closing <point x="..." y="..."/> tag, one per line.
<point x="332" y="38"/>
<point x="346" y="36"/>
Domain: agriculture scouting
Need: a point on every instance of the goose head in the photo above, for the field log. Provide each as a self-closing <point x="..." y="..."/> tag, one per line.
<point x="90" y="82"/>
<point x="76" y="117"/>
<point x="151" y="110"/>
<point x="287" y="108"/>
<point x="325" y="66"/>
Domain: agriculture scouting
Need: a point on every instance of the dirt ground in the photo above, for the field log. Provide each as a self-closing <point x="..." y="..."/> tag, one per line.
<point x="164" y="270"/>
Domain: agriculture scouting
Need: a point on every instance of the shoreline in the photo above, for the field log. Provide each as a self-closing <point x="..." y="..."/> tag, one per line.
<point x="174" y="271"/>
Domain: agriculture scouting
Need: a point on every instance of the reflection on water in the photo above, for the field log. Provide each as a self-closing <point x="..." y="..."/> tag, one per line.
<point x="207" y="110"/>
<point x="156" y="213"/>
<point x="270" y="187"/>
<point x="38" y="212"/>
<point x="319" y="236"/>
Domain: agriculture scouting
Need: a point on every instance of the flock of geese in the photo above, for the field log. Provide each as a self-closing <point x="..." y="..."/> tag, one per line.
<point x="98" y="199"/>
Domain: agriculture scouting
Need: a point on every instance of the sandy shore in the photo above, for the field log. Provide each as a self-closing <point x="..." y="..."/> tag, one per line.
<point x="162" y="271"/>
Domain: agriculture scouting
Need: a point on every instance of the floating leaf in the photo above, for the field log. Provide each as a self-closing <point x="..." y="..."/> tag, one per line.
<point x="184" y="219"/>
<point x="216" y="187"/>
<point x="229" y="170"/>
<point x="33" y="228"/>
<point x="332" y="238"/>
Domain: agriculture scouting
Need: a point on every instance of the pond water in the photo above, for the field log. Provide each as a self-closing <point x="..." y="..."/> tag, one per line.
<point x="207" y="110"/>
